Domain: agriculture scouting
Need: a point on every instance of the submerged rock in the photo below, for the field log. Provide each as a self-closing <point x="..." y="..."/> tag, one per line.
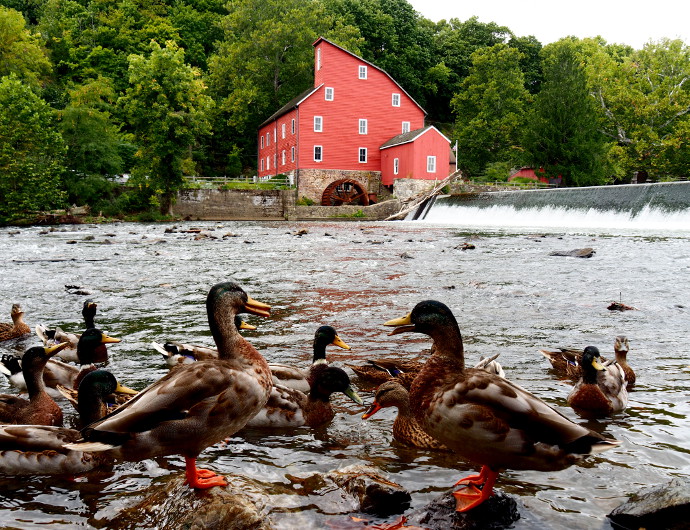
<point x="665" y="506"/>
<point x="240" y="506"/>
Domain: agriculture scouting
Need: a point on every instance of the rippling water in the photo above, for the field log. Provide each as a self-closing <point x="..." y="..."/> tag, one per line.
<point x="508" y="294"/>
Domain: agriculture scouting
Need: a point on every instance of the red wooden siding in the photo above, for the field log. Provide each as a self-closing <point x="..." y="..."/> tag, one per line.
<point x="412" y="158"/>
<point x="275" y="149"/>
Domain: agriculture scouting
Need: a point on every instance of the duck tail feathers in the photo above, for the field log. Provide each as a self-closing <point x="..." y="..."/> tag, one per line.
<point x="90" y="447"/>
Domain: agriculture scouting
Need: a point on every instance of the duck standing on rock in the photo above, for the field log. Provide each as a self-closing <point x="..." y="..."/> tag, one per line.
<point x="484" y="418"/>
<point x="17" y="328"/>
<point x="40" y="408"/>
<point x="195" y="405"/>
<point x="602" y="389"/>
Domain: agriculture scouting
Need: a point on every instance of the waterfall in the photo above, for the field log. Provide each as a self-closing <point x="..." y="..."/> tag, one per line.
<point x="661" y="206"/>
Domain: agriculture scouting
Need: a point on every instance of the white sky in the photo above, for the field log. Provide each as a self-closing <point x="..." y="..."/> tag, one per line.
<point x="632" y="22"/>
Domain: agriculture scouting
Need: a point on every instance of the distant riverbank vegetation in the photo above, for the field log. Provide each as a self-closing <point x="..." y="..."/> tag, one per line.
<point x="172" y="93"/>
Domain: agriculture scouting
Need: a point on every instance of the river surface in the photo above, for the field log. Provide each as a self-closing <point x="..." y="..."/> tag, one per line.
<point x="508" y="294"/>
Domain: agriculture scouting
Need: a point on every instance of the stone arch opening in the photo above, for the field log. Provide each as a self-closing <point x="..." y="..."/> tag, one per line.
<point x="345" y="191"/>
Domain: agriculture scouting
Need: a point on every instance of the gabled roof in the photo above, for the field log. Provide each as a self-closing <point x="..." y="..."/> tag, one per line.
<point x="372" y="65"/>
<point x="292" y="104"/>
<point x="406" y="138"/>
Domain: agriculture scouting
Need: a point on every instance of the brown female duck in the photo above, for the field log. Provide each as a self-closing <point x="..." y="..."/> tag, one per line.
<point x="17" y="328"/>
<point x="195" y="405"/>
<point x="40" y="408"/>
<point x="405" y="427"/>
<point x="602" y="389"/>
<point x="486" y="419"/>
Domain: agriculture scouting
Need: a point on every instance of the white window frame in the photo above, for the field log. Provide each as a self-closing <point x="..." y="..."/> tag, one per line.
<point x="362" y="151"/>
<point x="363" y="126"/>
<point x="268" y="139"/>
<point x="362" y="71"/>
<point x="318" y="123"/>
<point x="318" y="58"/>
<point x="268" y="163"/>
<point x="262" y="141"/>
<point x="405" y="127"/>
<point x="320" y="150"/>
<point x="293" y="125"/>
<point x="396" y="166"/>
<point x="292" y="154"/>
<point x="431" y="164"/>
<point x="275" y="160"/>
<point x="329" y="93"/>
<point x="282" y="157"/>
<point x="282" y="131"/>
<point x="262" y="163"/>
<point x="395" y="100"/>
<point x="275" y="134"/>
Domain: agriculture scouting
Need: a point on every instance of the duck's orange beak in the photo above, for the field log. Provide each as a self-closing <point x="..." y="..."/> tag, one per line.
<point x="375" y="407"/>
<point x="257" y="308"/>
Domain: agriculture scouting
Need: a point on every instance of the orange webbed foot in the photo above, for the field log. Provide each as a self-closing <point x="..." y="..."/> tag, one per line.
<point x="201" y="478"/>
<point x="474" y="490"/>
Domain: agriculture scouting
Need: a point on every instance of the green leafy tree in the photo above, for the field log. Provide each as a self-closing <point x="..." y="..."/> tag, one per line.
<point x="20" y="51"/>
<point x="31" y="152"/>
<point x="646" y="103"/>
<point x="563" y="133"/>
<point x="490" y="109"/>
<point x="166" y="108"/>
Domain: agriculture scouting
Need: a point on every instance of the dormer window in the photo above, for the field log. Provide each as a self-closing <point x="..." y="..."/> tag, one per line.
<point x="362" y="71"/>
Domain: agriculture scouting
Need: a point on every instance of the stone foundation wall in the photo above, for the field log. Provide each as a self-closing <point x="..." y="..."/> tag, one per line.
<point x="234" y="205"/>
<point x="311" y="183"/>
<point x="375" y="212"/>
<point x="403" y="189"/>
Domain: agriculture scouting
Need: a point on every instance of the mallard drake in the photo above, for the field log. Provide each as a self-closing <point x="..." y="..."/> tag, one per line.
<point x="40" y="408"/>
<point x="175" y="353"/>
<point x="567" y="361"/>
<point x="297" y="378"/>
<point x="99" y="394"/>
<point x="486" y="419"/>
<point x="289" y="407"/>
<point x="39" y="450"/>
<point x="195" y="405"/>
<point x="17" y="328"/>
<point x="57" y="335"/>
<point x="405" y="427"/>
<point x="602" y="389"/>
<point x="91" y="348"/>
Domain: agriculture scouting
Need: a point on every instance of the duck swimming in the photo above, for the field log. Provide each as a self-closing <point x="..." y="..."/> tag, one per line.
<point x="484" y="418"/>
<point x="17" y="328"/>
<point x="289" y="407"/>
<point x="40" y="408"/>
<point x="195" y="405"/>
<point x="57" y="335"/>
<point x="297" y="378"/>
<point x="602" y="390"/>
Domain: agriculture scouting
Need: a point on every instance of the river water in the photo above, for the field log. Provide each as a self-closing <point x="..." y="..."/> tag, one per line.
<point x="508" y="294"/>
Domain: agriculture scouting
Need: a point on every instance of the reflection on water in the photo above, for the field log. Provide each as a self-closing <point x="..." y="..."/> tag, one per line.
<point x="509" y="295"/>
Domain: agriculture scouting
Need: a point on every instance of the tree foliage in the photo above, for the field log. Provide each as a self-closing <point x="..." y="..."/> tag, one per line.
<point x="166" y="107"/>
<point x="20" y="51"/>
<point x="31" y="152"/>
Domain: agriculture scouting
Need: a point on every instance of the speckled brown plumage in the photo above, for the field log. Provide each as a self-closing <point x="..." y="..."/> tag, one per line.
<point x="17" y="328"/>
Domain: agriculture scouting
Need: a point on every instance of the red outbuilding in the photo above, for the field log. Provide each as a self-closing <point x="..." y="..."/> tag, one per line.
<point x="349" y="130"/>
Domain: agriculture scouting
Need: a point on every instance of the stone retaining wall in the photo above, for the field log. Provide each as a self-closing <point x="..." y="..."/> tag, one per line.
<point x="312" y="182"/>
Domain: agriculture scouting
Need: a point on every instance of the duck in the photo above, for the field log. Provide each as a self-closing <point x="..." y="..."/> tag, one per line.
<point x="194" y="405"/>
<point x="17" y="328"/>
<point x="392" y="393"/>
<point x="40" y="408"/>
<point x="175" y="353"/>
<point x="289" y="407"/>
<point x="39" y="450"/>
<point x="91" y="349"/>
<point x="379" y="371"/>
<point x="486" y="419"/>
<point x="57" y="335"/>
<point x="602" y="389"/>
<point x="99" y="393"/>
<point x="567" y="361"/>
<point x="297" y="378"/>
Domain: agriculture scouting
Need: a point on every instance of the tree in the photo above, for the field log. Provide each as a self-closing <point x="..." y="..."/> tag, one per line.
<point x="166" y="108"/>
<point x="563" y="135"/>
<point x="646" y="102"/>
<point x="490" y="109"/>
<point x="31" y="152"/>
<point x="20" y="51"/>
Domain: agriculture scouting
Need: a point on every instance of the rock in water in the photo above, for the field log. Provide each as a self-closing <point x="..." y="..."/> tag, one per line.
<point x="577" y="253"/>
<point x="666" y="506"/>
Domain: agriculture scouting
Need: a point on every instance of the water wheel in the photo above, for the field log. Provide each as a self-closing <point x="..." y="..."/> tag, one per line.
<point x="345" y="191"/>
